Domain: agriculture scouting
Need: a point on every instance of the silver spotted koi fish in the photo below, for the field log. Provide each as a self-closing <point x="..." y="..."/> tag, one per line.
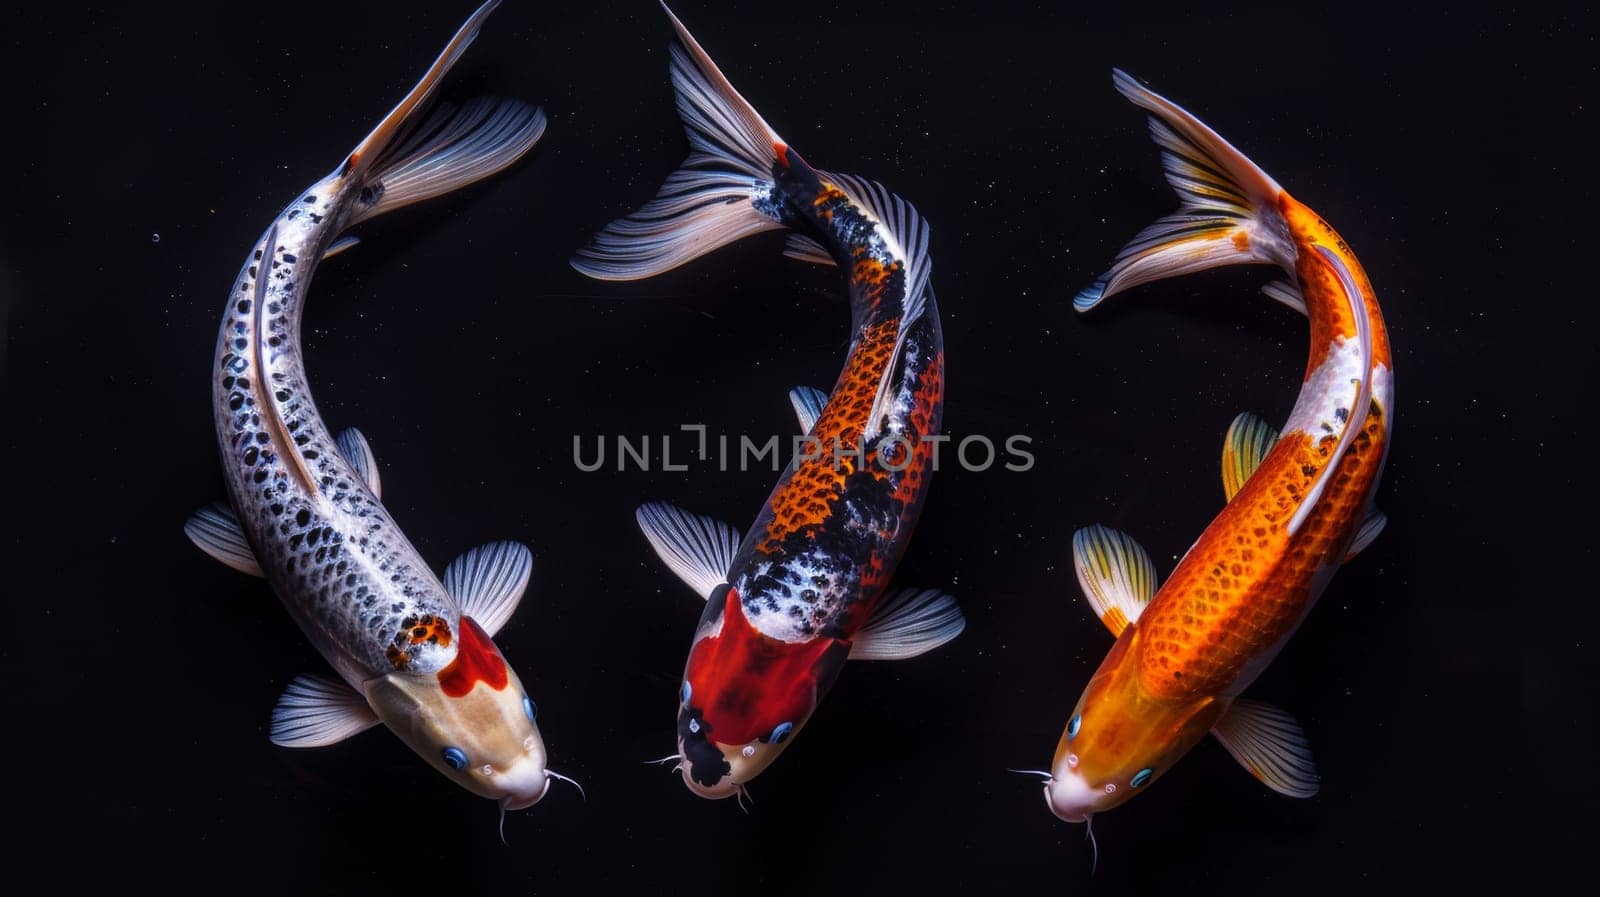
<point x="412" y="652"/>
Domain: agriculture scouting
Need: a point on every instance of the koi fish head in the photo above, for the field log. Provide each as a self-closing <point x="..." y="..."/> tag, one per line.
<point x="744" y="696"/>
<point x="1119" y="740"/>
<point x="471" y="720"/>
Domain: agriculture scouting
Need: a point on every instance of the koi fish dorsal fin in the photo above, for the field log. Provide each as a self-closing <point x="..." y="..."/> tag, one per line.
<point x="1228" y="213"/>
<point x="697" y="548"/>
<point x="488" y="582"/>
<point x="1116" y="574"/>
<point x="1247" y="443"/>
<point x="316" y="711"/>
<point x="808" y="403"/>
<point x="711" y="200"/>
<point x="216" y="531"/>
<point x="908" y="623"/>
<point x="907" y="232"/>
<point x="353" y="446"/>
<point x="1270" y="745"/>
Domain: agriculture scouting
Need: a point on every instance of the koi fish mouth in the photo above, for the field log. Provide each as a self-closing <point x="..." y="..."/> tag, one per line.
<point x="516" y="802"/>
<point x="1071" y="798"/>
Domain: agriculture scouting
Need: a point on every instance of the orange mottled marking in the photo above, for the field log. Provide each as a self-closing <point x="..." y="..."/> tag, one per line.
<point x="1247" y="582"/>
<point x="427" y="628"/>
<point x="806" y="499"/>
<point x="1241" y="240"/>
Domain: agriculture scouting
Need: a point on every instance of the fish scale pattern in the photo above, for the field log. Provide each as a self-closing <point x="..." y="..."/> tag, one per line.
<point x="340" y="563"/>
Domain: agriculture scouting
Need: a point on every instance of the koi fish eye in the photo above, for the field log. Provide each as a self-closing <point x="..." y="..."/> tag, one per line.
<point x="455" y="758"/>
<point x="530" y="708"/>
<point x="1142" y="776"/>
<point x="780" y="732"/>
<point x="685" y="692"/>
<point x="1074" y="725"/>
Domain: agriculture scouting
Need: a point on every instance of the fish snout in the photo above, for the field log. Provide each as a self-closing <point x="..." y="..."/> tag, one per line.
<point x="523" y="784"/>
<point x="722" y="788"/>
<point x="1071" y="798"/>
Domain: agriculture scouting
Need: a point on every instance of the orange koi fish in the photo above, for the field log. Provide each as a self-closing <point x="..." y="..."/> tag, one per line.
<point x="1299" y="501"/>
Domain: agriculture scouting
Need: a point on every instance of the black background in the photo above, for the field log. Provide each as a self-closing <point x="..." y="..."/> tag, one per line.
<point x="459" y="340"/>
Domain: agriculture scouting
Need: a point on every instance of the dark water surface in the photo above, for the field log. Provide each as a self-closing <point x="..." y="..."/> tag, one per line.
<point x="459" y="340"/>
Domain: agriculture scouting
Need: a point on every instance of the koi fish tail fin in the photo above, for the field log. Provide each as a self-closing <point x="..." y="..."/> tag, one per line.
<point x="1229" y="213"/>
<point x="416" y="154"/>
<point x="722" y="193"/>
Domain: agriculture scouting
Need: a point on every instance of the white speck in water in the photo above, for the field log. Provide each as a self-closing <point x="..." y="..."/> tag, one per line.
<point x="155" y="238"/>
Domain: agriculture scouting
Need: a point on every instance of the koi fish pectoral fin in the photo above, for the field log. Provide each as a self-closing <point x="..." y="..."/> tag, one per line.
<point x="696" y="547"/>
<point x="353" y="446"/>
<point x="216" y="531"/>
<point x="316" y="711"/>
<point x="1116" y="574"/>
<point x="908" y="623"/>
<point x="1247" y="443"/>
<point x="808" y="403"/>
<point x="1271" y="746"/>
<point x="488" y="582"/>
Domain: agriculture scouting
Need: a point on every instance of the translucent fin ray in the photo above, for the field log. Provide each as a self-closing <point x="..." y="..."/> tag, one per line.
<point x="1247" y="443"/>
<point x="1116" y="574"/>
<point x="802" y="248"/>
<point x="710" y="201"/>
<point x="316" y="711"/>
<point x="1371" y="526"/>
<point x="697" y="548"/>
<point x="340" y="245"/>
<point x="1227" y="215"/>
<point x="908" y="623"/>
<point x="808" y="403"/>
<point x="453" y="148"/>
<point x="1271" y="746"/>
<point x="376" y="146"/>
<point x="1286" y="293"/>
<point x="216" y="531"/>
<point x="489" y="581"/>
<point x="353" y="446"/>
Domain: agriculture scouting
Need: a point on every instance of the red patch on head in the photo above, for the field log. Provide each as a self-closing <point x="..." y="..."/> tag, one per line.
<point x="477" y="660"/>
<point x="745" y="682"/>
